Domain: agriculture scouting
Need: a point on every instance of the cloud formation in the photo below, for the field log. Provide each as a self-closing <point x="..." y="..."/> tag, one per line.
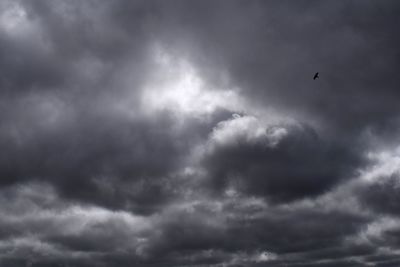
<point x="154" y="133"/>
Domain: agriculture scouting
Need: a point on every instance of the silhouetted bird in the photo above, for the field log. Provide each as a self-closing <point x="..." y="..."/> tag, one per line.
<point x="316" y="76"/>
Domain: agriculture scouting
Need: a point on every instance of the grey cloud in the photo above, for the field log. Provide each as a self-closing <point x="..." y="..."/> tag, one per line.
<point x="271" y="49"/>
<point x="200" y="230"/>
<point x="84" y="158"/>
<point x="297" y="164"/>
<point x="73" y="120"/>
<point x="382" y="197"/>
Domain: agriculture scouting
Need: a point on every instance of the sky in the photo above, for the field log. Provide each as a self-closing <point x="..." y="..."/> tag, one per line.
<point x="191" y="133"/>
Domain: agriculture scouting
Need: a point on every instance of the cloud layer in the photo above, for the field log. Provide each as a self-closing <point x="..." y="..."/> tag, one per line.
<point x="154" y="133"/>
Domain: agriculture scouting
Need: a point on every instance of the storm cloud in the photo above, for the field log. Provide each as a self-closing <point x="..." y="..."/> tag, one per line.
<point x="191" y="133"/>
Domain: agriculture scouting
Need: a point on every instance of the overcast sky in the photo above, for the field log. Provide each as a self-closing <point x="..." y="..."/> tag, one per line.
<point x="191" y="133"/>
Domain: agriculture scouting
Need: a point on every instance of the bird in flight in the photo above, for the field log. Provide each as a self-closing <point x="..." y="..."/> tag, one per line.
<point x="316" y="76"/>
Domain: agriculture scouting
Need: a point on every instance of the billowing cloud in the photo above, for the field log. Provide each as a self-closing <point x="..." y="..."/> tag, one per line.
<point x="280" y="162"/>
<point x="154" y="133"/>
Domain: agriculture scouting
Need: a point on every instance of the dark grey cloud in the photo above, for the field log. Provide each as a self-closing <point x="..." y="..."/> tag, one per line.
<point x="298" y="163"/>
<point x="62" y="120"/>
<point x="382" y="197"/>
<point x="197" y="232"/>
<point x="188" y="133"/>
<point x="100" y="158"/>
<point x="270" y="49"/>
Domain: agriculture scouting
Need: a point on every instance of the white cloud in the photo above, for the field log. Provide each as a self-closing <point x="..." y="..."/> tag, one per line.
<point x="175" y="85"/>
<point x="248" y="129"/>
<point x="387" y="164"/>
<point x="374" y="232"/>
<point x="13" y="18"/>
<point x="265" y="256"/>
